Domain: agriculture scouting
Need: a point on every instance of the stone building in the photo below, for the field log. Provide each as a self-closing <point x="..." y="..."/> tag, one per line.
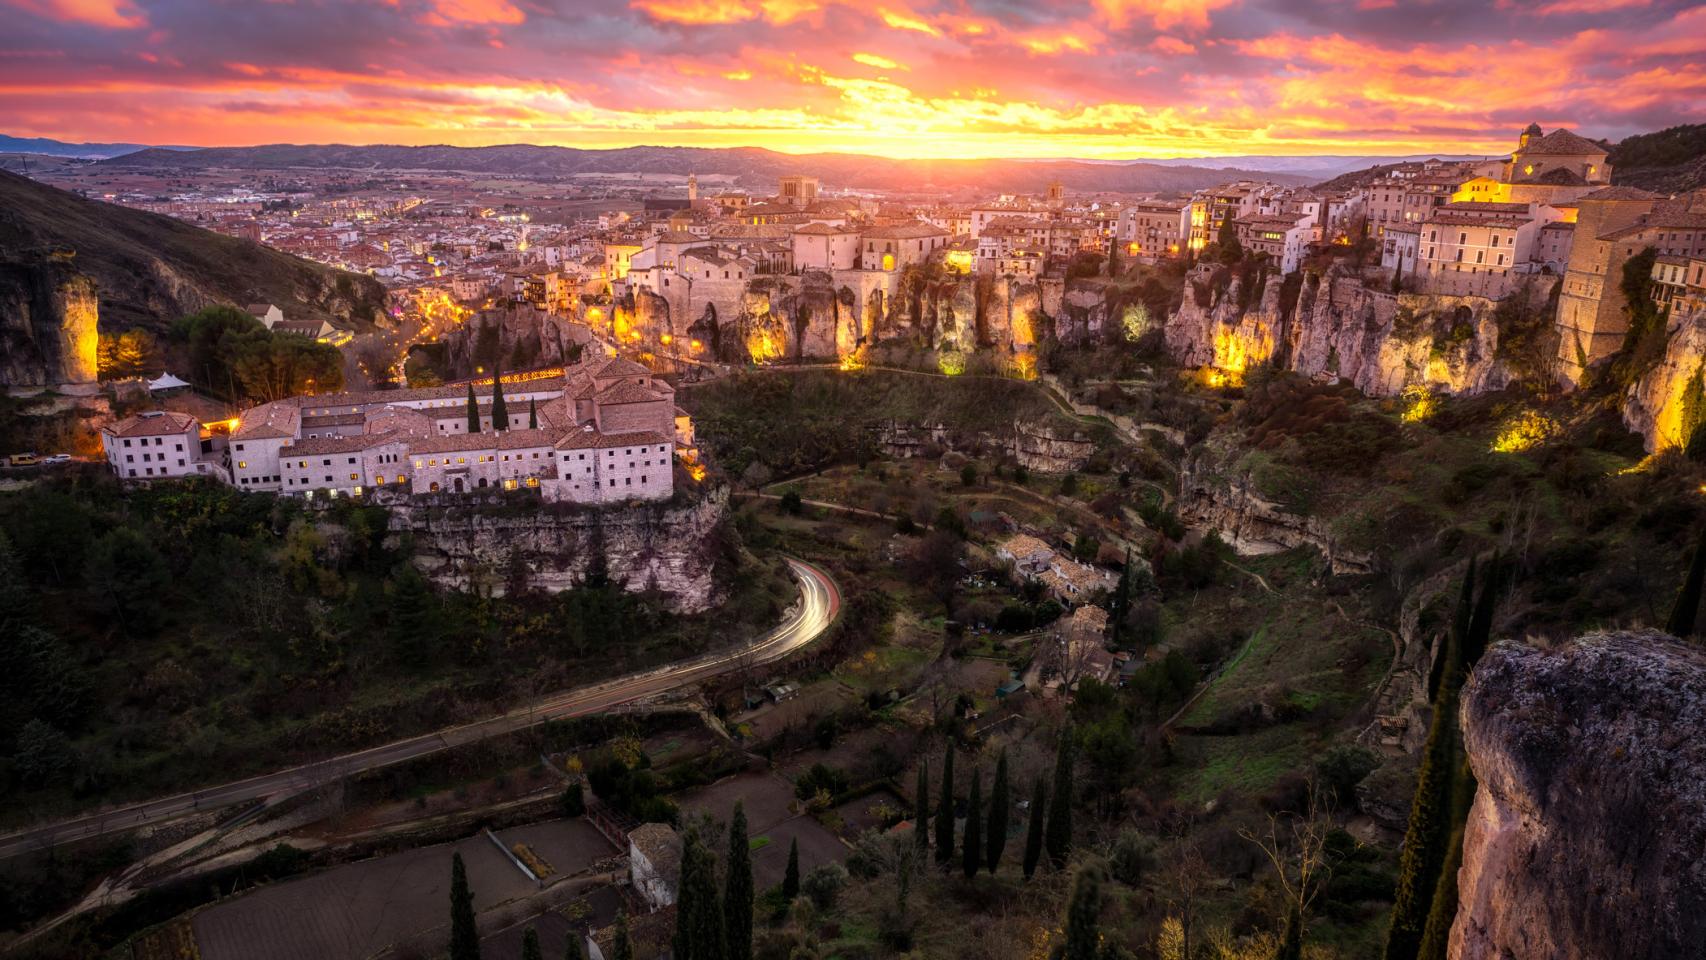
<point x="157" y="445"/>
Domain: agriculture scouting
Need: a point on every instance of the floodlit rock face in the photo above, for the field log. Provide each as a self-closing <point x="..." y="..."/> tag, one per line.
<point x="1666" y="404"/>
<point x="1588" y="834"/>
<point x="48" y="317"/>
<point x="1336" y="326"/>
<point x="520" y="336"/>
<point x="666" y="547"/>
<point x="1039" y="447"/>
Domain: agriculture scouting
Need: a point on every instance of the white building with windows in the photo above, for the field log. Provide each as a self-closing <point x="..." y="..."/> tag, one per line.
<point x="157" y="445"/>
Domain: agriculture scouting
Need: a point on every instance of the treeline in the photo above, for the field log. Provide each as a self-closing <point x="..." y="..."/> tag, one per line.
<point x="1669" y="147"/>
<point x="231" y="354"/>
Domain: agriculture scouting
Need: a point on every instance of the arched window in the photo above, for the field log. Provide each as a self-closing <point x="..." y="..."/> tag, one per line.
<point x="433" y="487"/>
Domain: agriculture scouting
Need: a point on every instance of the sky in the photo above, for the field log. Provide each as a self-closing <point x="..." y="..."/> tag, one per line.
<point x="1096" y="79"/>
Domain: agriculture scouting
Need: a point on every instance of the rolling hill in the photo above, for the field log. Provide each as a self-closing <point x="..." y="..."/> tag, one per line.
<point x="751" y="166"/>
<point x="147" y="271"/>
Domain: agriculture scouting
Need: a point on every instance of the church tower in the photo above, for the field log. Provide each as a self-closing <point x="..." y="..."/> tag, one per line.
<point x="692" y="187"/>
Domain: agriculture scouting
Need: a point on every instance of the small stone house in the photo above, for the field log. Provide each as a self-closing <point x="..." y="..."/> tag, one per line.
<point x="654" y="863"/>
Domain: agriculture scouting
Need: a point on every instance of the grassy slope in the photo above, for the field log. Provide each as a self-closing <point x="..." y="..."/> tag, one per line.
<point x="127" y="251"/>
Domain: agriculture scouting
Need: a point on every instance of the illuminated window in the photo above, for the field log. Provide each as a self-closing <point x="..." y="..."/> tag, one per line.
<point x="242" y="464"/>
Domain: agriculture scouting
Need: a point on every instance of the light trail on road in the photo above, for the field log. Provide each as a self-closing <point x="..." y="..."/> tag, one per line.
<point x="820" y="603"/>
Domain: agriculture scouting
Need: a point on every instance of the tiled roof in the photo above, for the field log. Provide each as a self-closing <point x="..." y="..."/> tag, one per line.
<point x="270" y="421"/>
<point x="1561" y="142"/>
<point x="315" y="446"/>
<point x="905" y="231"/>
<point x="1484" y="206"/>
<point x="618" y="367"/>
<point x="589" y="439"/>
<point x="1465" y="220"/>
<point x="660" y="844"/>
<point x="626" y="392"/>
<point x="1025" y="545"/>
<point x="155" y="423"/>
<point x="508" y="440"/>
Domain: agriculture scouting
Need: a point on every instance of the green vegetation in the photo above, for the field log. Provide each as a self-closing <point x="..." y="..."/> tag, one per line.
<point x="737" y="889"/>
<point x="464" y="935"/>
<point x="166" y="636"/>
<point x="231" y="354"/>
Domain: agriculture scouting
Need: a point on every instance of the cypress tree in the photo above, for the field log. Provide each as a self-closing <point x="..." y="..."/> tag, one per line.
<point x="996" y="830"/>
<point x="530" y="945"/>
<point x="574" y="948"/>
<point x="1436" y="933"/>
<point x="698" y="915"/>
<point x="945" y="811"/>
<point x="737" y="889"/>
<point x="464" y="935"/>
<point x="1481" y="620"/>
<point x="971" y="845"/>
<point x="473" y="411"/>
<point x="791" y="879"/>
<point x="1680" y="624"/>
<point x="1459" y="635"/>
<point x="1058" y="836"/>
<point x="1034" y="830"/>
<point x="1425" y="838"/>
<point x="921" y="806"/>
<point x="622" y="945"/>
<point x="1083" y="913"/>
<point x="500" y="411"/>
<point x="532" y="414"/>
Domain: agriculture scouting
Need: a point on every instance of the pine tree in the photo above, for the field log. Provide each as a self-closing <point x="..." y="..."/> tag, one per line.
<point x="921" y="806"/>
<point x="412" y="620"/>
<point x="945" y="811"/>
<point x="971" y="845"/>
<point x="532" y="414"/>
<point x="999" y="814"/>
<point x="791" y="879"/>
<point x="1058" y="837"/>
<point x="500" y="411"/>
<point x="1034" y="830"/>
<point x="737" y="889"/>
<point x="1680" y="624"/>
<point x="464" y="935"/>
<point x="530" y="945"/>
<point x="622" y="944"/>
<point x="1083" y="915"/>
<point x="473" y="411"/>
<point x="698" y="915"/>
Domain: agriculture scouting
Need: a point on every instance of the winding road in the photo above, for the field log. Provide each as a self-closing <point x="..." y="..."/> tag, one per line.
<point x="819" y="604"/>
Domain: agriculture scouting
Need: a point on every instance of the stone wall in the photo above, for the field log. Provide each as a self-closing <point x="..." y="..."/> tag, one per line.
<point x="466" y="542"/>
<point x="1666" y="404"/>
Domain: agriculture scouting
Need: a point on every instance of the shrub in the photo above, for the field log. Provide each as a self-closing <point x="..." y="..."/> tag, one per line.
<point x="824" y="884"/>
<point x="1131" y="858"/>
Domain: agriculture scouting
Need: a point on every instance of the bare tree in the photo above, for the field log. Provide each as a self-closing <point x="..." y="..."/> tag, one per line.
<point x="1296" y="845"/>
<point x="1188" y="881"/>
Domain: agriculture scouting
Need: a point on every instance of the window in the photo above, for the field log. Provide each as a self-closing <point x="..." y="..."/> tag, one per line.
<point x="127" y="443"/>
<point x="131" y="457"/>
<point x="133" y="471"/>
<point x="355" y="476"/>
<point x="242" y="464"/>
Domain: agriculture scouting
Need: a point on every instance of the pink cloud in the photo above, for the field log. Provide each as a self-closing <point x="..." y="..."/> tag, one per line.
<point x="115" y="14"/>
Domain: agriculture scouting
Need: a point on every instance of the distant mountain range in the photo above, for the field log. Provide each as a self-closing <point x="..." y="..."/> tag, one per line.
<point x="1319" y="167"/>
<point x="751" y="167"/>
<point x="41" y="146"/>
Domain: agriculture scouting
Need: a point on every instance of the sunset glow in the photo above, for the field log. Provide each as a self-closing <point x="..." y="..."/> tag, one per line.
<point x="933" y="78"/>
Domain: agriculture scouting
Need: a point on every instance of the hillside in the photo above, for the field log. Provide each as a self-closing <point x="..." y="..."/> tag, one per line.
<point x="753" y="167"/>
<point x="148" y="269"/>
<point x="1672" y="160"/>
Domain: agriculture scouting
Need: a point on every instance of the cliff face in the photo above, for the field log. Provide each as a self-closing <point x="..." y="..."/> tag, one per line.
<point x="523" y="336"/>
<point x="1218" y="491"/>
<point x="652" y="546"/>
<point x="1666" y="404"/>
<point x="1586" y="837"/>
<point x="1379" y="342"/>
<point x="1037" y="446"/>
<point x="48" y="318"/>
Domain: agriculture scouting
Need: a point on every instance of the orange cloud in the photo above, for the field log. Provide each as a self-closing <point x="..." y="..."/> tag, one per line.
<point x="873" y="60"/>
<point x="1173" y="46"/>
<point x="475" y="11"/>
<point x="116" y="14"/>
<point x="905" y="21"/>
<point x="1164" y="14"/>
<point x="714" y="12"/>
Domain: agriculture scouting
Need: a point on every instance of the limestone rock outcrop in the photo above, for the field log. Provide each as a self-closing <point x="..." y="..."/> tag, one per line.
<point x="1667" y="403"/>
<point x="666" y="547"/>
<point x="48" y="318"/>
<point x="1338" y="326"/>
<point x="1218" y="491"/>
<point x="1586" y="837"/>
